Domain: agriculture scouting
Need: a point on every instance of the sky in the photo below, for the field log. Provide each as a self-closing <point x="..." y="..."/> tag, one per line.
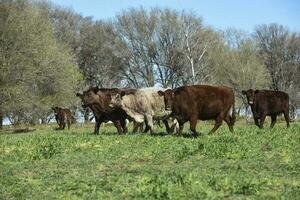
<point x="220" y="14"/>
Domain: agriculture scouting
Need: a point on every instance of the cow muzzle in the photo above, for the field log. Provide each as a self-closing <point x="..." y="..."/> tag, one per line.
<point x="111" y="105"/>
<point x="168" y="109"/>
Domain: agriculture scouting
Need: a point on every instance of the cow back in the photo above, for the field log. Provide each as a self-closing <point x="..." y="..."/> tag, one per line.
<point x="202" y="100"/>
<point x="144" y="101"/>
<point x="270" y="102"/>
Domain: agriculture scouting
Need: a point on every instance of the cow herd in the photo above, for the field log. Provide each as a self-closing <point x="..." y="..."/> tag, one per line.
<point x="183" y="104"/>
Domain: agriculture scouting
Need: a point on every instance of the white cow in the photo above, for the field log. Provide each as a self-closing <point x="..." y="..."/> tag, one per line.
<point x="144" y="105"/>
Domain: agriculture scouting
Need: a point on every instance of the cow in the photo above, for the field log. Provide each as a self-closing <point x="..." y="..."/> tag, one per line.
<point x="63" y="116"/>
<point x="98" y="99"/>
<point x="204" y="102"/>
<point x="267" y="103"/>
<point x="143" y="105"/>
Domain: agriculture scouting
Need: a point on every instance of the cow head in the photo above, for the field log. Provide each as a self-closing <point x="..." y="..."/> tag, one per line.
<point x="168" y="98"/>
<point x="250" y="94"/>
<point x="116" y="99"/>
<point x="55" y="109"/>
<point x="89" y="97"/>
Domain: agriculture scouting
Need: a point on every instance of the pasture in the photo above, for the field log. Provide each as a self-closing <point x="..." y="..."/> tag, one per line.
<point x="74" y="164"/>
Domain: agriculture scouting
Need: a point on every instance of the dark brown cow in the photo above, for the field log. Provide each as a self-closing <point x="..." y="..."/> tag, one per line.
<point x="63" y="116"/>
<point x="267" y="103"/>
<point x="190" y="103"/>
<point x="98" y="99"/>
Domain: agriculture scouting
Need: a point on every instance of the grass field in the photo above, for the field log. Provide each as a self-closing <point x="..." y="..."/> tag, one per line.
<point x="248" y="164"/>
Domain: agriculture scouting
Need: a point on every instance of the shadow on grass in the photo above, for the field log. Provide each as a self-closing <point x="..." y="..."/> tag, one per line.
<point x="23" y="130"/>
<point x="17" y="131"/>
<point x="155" y="134"/>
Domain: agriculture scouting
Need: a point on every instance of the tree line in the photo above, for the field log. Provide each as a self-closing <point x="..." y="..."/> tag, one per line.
<point x="49" y="52"/>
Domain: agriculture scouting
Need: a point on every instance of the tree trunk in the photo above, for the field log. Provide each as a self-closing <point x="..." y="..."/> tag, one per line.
<point x="1" y="121"/>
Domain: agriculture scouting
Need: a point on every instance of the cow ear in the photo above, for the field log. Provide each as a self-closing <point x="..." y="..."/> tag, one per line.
<point x="243" y="92"/>
<point x="161" y="93"/>
<point x="123" y="93"/>
<point x="78" y="94"/>
<point x="256" y="91"/>
<point x="95" y="89"/>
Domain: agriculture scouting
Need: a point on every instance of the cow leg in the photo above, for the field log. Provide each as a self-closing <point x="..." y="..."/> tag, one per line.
<point x="149" y="123"/>
<point x="168" y="129"/>
<point x="118" y="126"/>
<point x="140" y="127"/>
<point x="287" y="117"/>
<point x="193" y="125"/>
<point x="228" y="122"/>
<point x="218" y="123"/>
<point x="65" y="120"/>
<point x="262" y="120"/>
<point x="59" y="125"/>
<point x="181" y="125"/>
<point x="97" y="126"/>
<point x="256" y="121"/>
<point x="135" y="127"/>
<point x="273" y="118"/>
<point x="63" y="125"/>
<point x="69" y="124"/>
<point x="123" y="125"/>
<point x="174" y="126"/>
<point x="147" y="128"/>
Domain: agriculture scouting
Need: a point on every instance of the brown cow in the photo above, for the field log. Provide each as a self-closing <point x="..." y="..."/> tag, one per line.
<point x="63" y="116"/>
<point x="267" y="103"/>
<point x="204" y="102"/>
<point x="98" y="99"/>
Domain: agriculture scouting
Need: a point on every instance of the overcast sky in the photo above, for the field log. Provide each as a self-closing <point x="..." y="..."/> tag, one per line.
<point x="220" y="14"/>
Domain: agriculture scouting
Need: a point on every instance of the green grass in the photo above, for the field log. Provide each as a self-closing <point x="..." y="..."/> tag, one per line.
<point x="248" y="164"/>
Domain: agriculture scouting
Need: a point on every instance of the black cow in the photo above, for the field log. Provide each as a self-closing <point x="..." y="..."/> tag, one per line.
<point x="267" y="103"/>
<point x="98" y="99"/>
<point x="63" y="116"/>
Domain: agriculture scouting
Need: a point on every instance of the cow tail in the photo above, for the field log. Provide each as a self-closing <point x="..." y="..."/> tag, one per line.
<point x="233" y="118"/>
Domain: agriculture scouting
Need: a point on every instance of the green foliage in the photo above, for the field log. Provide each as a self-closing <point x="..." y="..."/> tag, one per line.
<point x="247" y="164"/>
<point x="37" y="71"/>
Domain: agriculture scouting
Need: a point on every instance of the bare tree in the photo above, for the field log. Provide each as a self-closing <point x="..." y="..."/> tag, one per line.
<point x="238" y="66"/>
<point x="280" y="50"/>
<point x="163" y="47"/>
<point x="135" y="29"/>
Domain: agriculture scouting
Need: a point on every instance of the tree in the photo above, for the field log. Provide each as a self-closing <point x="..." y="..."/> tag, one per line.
<point x="91" y="42"/>
<point x="237" y="64"/>
<point x="197" y="44"/>
<point x="37" y="71"/>
<point x="279" y="48"/>
<point x="164" y="47"/>
<point x="96" y="59"/>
